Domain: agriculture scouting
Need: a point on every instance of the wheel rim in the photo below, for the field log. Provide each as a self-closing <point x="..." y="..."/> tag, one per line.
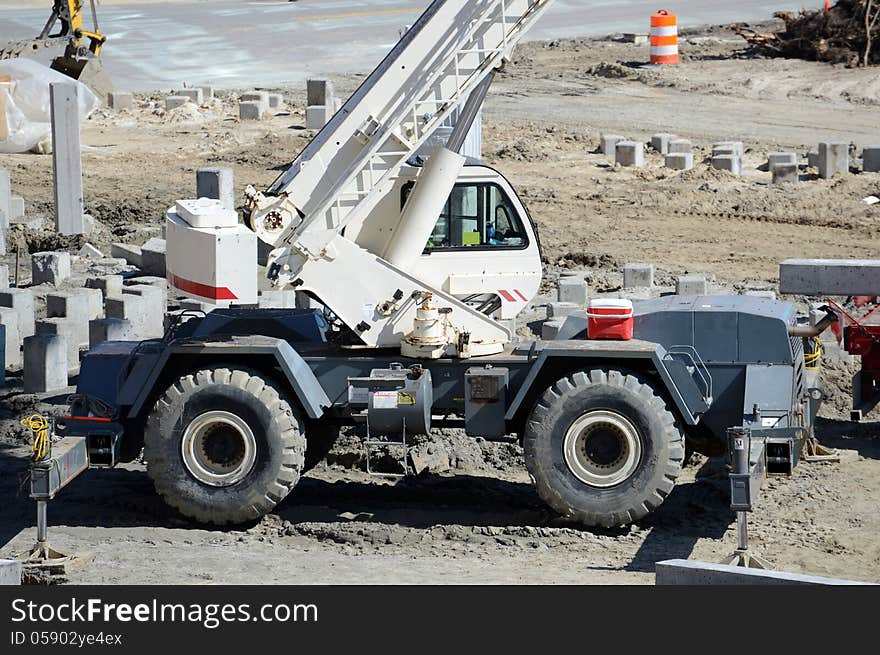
<point x="218" y="448"/>
<point x="602" y="448"/>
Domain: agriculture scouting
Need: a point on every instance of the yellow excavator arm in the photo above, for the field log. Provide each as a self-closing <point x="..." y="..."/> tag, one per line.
<point x="69" y="14"/>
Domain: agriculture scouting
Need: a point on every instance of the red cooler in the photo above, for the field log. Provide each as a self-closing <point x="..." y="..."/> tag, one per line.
<point x="610" y="318"/>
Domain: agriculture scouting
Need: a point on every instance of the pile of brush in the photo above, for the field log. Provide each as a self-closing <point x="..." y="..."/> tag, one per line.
<point x="847" y="33"/>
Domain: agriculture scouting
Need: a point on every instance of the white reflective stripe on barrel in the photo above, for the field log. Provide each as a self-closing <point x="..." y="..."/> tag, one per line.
<point x="668" y="30"/>
<point x="664" y="49"/>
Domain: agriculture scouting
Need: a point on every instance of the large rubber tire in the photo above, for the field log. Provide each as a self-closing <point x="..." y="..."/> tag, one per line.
<point x="275" y="431"/>
<point x="601" y="392"/>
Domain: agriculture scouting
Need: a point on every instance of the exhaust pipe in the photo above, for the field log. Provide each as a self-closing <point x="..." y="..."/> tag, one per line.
<point x="808" y="331"/>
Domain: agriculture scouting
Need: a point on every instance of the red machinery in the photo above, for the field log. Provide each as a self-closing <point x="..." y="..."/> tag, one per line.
<point x="861" y="336"/>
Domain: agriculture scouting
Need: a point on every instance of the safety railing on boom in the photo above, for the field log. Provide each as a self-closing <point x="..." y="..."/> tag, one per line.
<point x="446" y="54"/>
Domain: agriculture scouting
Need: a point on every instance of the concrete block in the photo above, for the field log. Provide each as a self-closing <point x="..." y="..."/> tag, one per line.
<point x="691" y="285"/>
<point x="12" y="337"/>
<point x="120" y="100"/>
<point x="153" y="257"/>
<point x="66" y="158"/>
<point x="813" y="158"/>
<point x="572" y="289"/>
<point x="660" y="142"/>
<point x="256" y="96"/>
<point x="94" y="300"/>
<point x="207" y="91"/>
<point x="22" y="301"/>
<point x="871" y="159"/>
<point x="638" y="276"/>
<point x="128" y="252"/>
<point x="276" y="101"/>
<point x="686" y="572"/>
<point x="155" y="305"/>
<point x="277" y="299"/>
<point x="731" y="147"/>
<point x="775" y="158"/>
<point x="680" y="161"/>
<point x="317" y="116"/>
<point x="562" y="309"/>
<point x="319" y="92"/>
<point x="16" y="208"/>
<point x="194" y="95"/>
<point x="785" y="173"/>
<point x="64" y="327"/>
<point x="90" y="252"/>
<point x="45" y="363"/>
<point x="4" y="276"/>
<point x="110" y="329"/>
<point x="10" y="572"/>
<point x="50" y="267"/>
<point x="833" y="158"/>
<point x="629" y="153"/>
<point x="827" y="277"/>
<point x="174" y="102"/>
<point x="250" y="111"/>
<point x="73" y="306"/>
<point x="608" y="143"/>
<point x="729" y="163"/>
<point x="679" y="145"/>
<point x="130" y="307"/>
<point x="5" y="198"/>
<point x="550" y="329"/>
<point x="109" y="285"/>
<point x="217" y="183"/>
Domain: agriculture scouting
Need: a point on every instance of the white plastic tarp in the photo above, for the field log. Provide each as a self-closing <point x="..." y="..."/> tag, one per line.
<point x="24" y="103"/>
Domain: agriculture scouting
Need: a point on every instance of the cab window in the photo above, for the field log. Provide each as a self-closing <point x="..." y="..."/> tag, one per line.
<point x="478" y="216"/>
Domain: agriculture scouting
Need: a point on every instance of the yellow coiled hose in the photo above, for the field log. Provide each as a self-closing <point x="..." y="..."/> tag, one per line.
<point x="39" y="425"/>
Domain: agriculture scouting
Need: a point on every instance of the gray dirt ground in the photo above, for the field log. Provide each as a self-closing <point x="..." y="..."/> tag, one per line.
<point x="475" y="517"/>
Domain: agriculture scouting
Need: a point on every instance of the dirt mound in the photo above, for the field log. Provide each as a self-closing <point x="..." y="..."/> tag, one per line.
<point x="844" y="35"/>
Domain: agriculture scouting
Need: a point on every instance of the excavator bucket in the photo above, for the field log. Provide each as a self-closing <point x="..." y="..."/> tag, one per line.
<point x="89" y="70"/>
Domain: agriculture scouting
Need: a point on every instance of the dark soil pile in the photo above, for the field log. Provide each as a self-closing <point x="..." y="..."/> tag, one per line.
<point x="838" y="36"/>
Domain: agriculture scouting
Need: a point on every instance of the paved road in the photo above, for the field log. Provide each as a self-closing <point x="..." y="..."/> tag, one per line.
<point x="235" y="43"/>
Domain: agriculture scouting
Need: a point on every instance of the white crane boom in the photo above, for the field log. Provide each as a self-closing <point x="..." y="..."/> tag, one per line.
<point x="348" y="166"/>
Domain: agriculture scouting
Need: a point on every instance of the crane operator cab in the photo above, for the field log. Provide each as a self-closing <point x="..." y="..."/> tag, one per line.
<point x="484" y="247"/>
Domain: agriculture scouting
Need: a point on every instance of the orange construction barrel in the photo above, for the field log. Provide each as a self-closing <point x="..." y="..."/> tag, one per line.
<point x="664" y="38"/>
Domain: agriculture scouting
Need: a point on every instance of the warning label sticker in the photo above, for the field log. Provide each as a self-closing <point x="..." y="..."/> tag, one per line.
<point x="385" y="399"/>
<point x="406" y="397"/>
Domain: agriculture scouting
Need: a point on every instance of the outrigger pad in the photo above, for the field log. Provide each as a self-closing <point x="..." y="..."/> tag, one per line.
<point x="45" y="562"/>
